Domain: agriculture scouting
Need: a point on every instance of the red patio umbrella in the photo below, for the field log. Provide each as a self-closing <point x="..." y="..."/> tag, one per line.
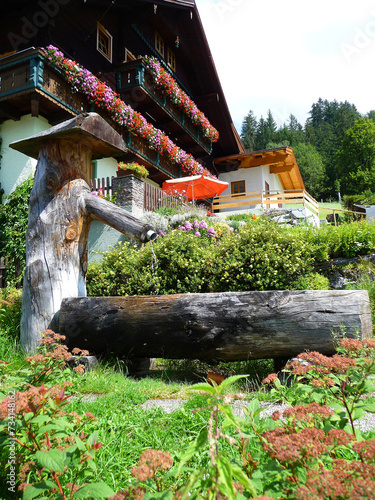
<point x="195" y="187"/>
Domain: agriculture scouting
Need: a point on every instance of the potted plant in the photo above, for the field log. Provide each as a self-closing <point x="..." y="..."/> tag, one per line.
<point x="131" y="168"/>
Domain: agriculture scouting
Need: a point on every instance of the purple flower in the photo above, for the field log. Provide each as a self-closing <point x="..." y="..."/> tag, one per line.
<point x="197" y="233"/>
<point x="195" y="224"/>
<point x="211" y="231"/>
<point x="188" y="226"/>
<point x="203" y="224"/>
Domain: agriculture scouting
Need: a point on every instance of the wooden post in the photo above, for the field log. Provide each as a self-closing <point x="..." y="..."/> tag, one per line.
<point x="61" y="210"/>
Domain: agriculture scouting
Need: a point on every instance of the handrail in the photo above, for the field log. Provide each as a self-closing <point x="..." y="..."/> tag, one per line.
<point x="268" y="198"/>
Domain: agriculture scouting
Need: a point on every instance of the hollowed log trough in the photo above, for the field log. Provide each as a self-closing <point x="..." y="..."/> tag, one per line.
<point x="214" y="327"/>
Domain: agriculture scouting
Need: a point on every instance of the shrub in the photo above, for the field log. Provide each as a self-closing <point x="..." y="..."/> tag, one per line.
<point x="175" y="264"/>
<point x="348" y="240"/>
<point x="312" y="281"/>
<point x="260" y="256"/>
<point x="13" y="225"/>
<point x="10" y="312"/>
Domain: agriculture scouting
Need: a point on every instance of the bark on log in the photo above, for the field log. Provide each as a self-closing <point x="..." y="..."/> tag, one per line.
<point x="60" y="212"/>
<point x="214" y="327"/>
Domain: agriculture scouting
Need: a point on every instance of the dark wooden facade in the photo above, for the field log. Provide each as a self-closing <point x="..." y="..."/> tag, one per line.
<point x="28" y="86"/>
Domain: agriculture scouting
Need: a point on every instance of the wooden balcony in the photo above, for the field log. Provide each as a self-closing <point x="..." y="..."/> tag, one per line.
<point x="267" y="200"/>
<point x="137" y="89"/>
<point x="29" y="86"/>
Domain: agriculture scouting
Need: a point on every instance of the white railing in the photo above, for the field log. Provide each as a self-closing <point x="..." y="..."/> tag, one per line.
<point x="265" y="199"/>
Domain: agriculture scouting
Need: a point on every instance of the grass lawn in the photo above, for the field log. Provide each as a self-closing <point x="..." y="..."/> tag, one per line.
<point x="326" y="208"/>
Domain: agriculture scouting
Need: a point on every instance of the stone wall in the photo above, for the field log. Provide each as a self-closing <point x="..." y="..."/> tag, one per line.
<point x="129" y="191"/>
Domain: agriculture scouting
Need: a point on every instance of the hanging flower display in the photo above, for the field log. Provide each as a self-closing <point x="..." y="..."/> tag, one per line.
<point x="168" y="85"/>
<point x="102" y="96"/>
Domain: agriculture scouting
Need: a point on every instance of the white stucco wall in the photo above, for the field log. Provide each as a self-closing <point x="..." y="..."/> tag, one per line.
<point x="106" y="167"/>
<point x="15" y="167"/>
<point x="255" y="179"/>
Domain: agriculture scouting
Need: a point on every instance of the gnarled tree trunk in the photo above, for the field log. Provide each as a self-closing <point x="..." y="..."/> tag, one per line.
<point x="61" y="210"/>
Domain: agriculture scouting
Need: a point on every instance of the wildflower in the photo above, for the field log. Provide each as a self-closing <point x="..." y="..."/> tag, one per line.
<point x="79" y="369"/>
<point x="270" y="379"/>
<point x="351" y="344"/>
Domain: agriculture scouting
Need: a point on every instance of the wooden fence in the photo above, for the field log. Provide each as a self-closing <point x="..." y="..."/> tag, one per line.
<point x="153" y="198"/>
<point x="3" y="271"/>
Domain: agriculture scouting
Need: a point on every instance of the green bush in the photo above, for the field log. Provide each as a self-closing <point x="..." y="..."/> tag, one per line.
<point x="175" y="264"/>
<point x="13" y="224"/>
<point x="10" y="312"/>
<point x="348" y="240"/>
<point x="259" y="256"/>
<point x="313" y="281"/>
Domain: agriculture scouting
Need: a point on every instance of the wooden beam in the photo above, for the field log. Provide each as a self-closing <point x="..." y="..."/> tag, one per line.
<point x="9" y="112"/>
<point x="34" y="105"/>
<point x="281" y="167"/>
<point x="264" y="159"/>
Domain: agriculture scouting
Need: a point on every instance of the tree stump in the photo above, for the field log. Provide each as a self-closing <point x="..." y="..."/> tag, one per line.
<point x="61" y="210"/>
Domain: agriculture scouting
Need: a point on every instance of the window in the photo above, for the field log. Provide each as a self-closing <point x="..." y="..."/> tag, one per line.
<point x="238" y="187"/>
<point x="159" y="44"/>
<point x="171" y="60"/>
<point x="104" y="42"/>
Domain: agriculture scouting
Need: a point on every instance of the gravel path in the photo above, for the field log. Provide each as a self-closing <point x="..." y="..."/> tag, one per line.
<point x="169" y="405"/>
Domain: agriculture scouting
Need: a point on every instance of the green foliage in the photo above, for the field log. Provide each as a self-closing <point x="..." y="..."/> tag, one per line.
<point x="365" y="198"/>
<point x="312" y="281"/>
<point x="348" y="240"/>
<point x="10" y="312"/>
<point x="259" y="256"/>
<point x="312" y="168"/>
<point x="175" y="264"/>
<point x="356" y="158"/>
<point x="366" y="281"/>
<point x="325" y="129"/>
<point x="46" y="450"/>
<point x="13" y="224"/>
<point x="135" y="167"/>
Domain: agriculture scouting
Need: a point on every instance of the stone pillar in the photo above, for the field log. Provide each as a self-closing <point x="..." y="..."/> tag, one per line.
<point x="129" y="190"/>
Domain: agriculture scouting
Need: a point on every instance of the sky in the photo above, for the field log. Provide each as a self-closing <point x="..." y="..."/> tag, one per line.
<point x="284" y="55"/>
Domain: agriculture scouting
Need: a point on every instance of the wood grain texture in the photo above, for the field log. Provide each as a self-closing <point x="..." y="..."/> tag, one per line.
<point x="61" y="210"/>
<point x="214" y="327"/>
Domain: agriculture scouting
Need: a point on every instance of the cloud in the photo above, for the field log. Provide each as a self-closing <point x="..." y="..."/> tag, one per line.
<point x="284" y="55"/>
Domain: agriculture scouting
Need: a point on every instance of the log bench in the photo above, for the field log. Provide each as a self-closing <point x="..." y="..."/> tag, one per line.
<point x="213" y="327"/>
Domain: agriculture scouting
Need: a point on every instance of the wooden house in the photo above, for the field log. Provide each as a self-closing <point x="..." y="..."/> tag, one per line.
<point x="267" y="179"/>
<point x="152" y="55"/>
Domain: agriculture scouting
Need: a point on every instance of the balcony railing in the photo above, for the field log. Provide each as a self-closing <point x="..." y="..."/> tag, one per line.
<point x="25" y="74"/>
<point x="136" y="87"/>
<point x="265" y="199"/>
